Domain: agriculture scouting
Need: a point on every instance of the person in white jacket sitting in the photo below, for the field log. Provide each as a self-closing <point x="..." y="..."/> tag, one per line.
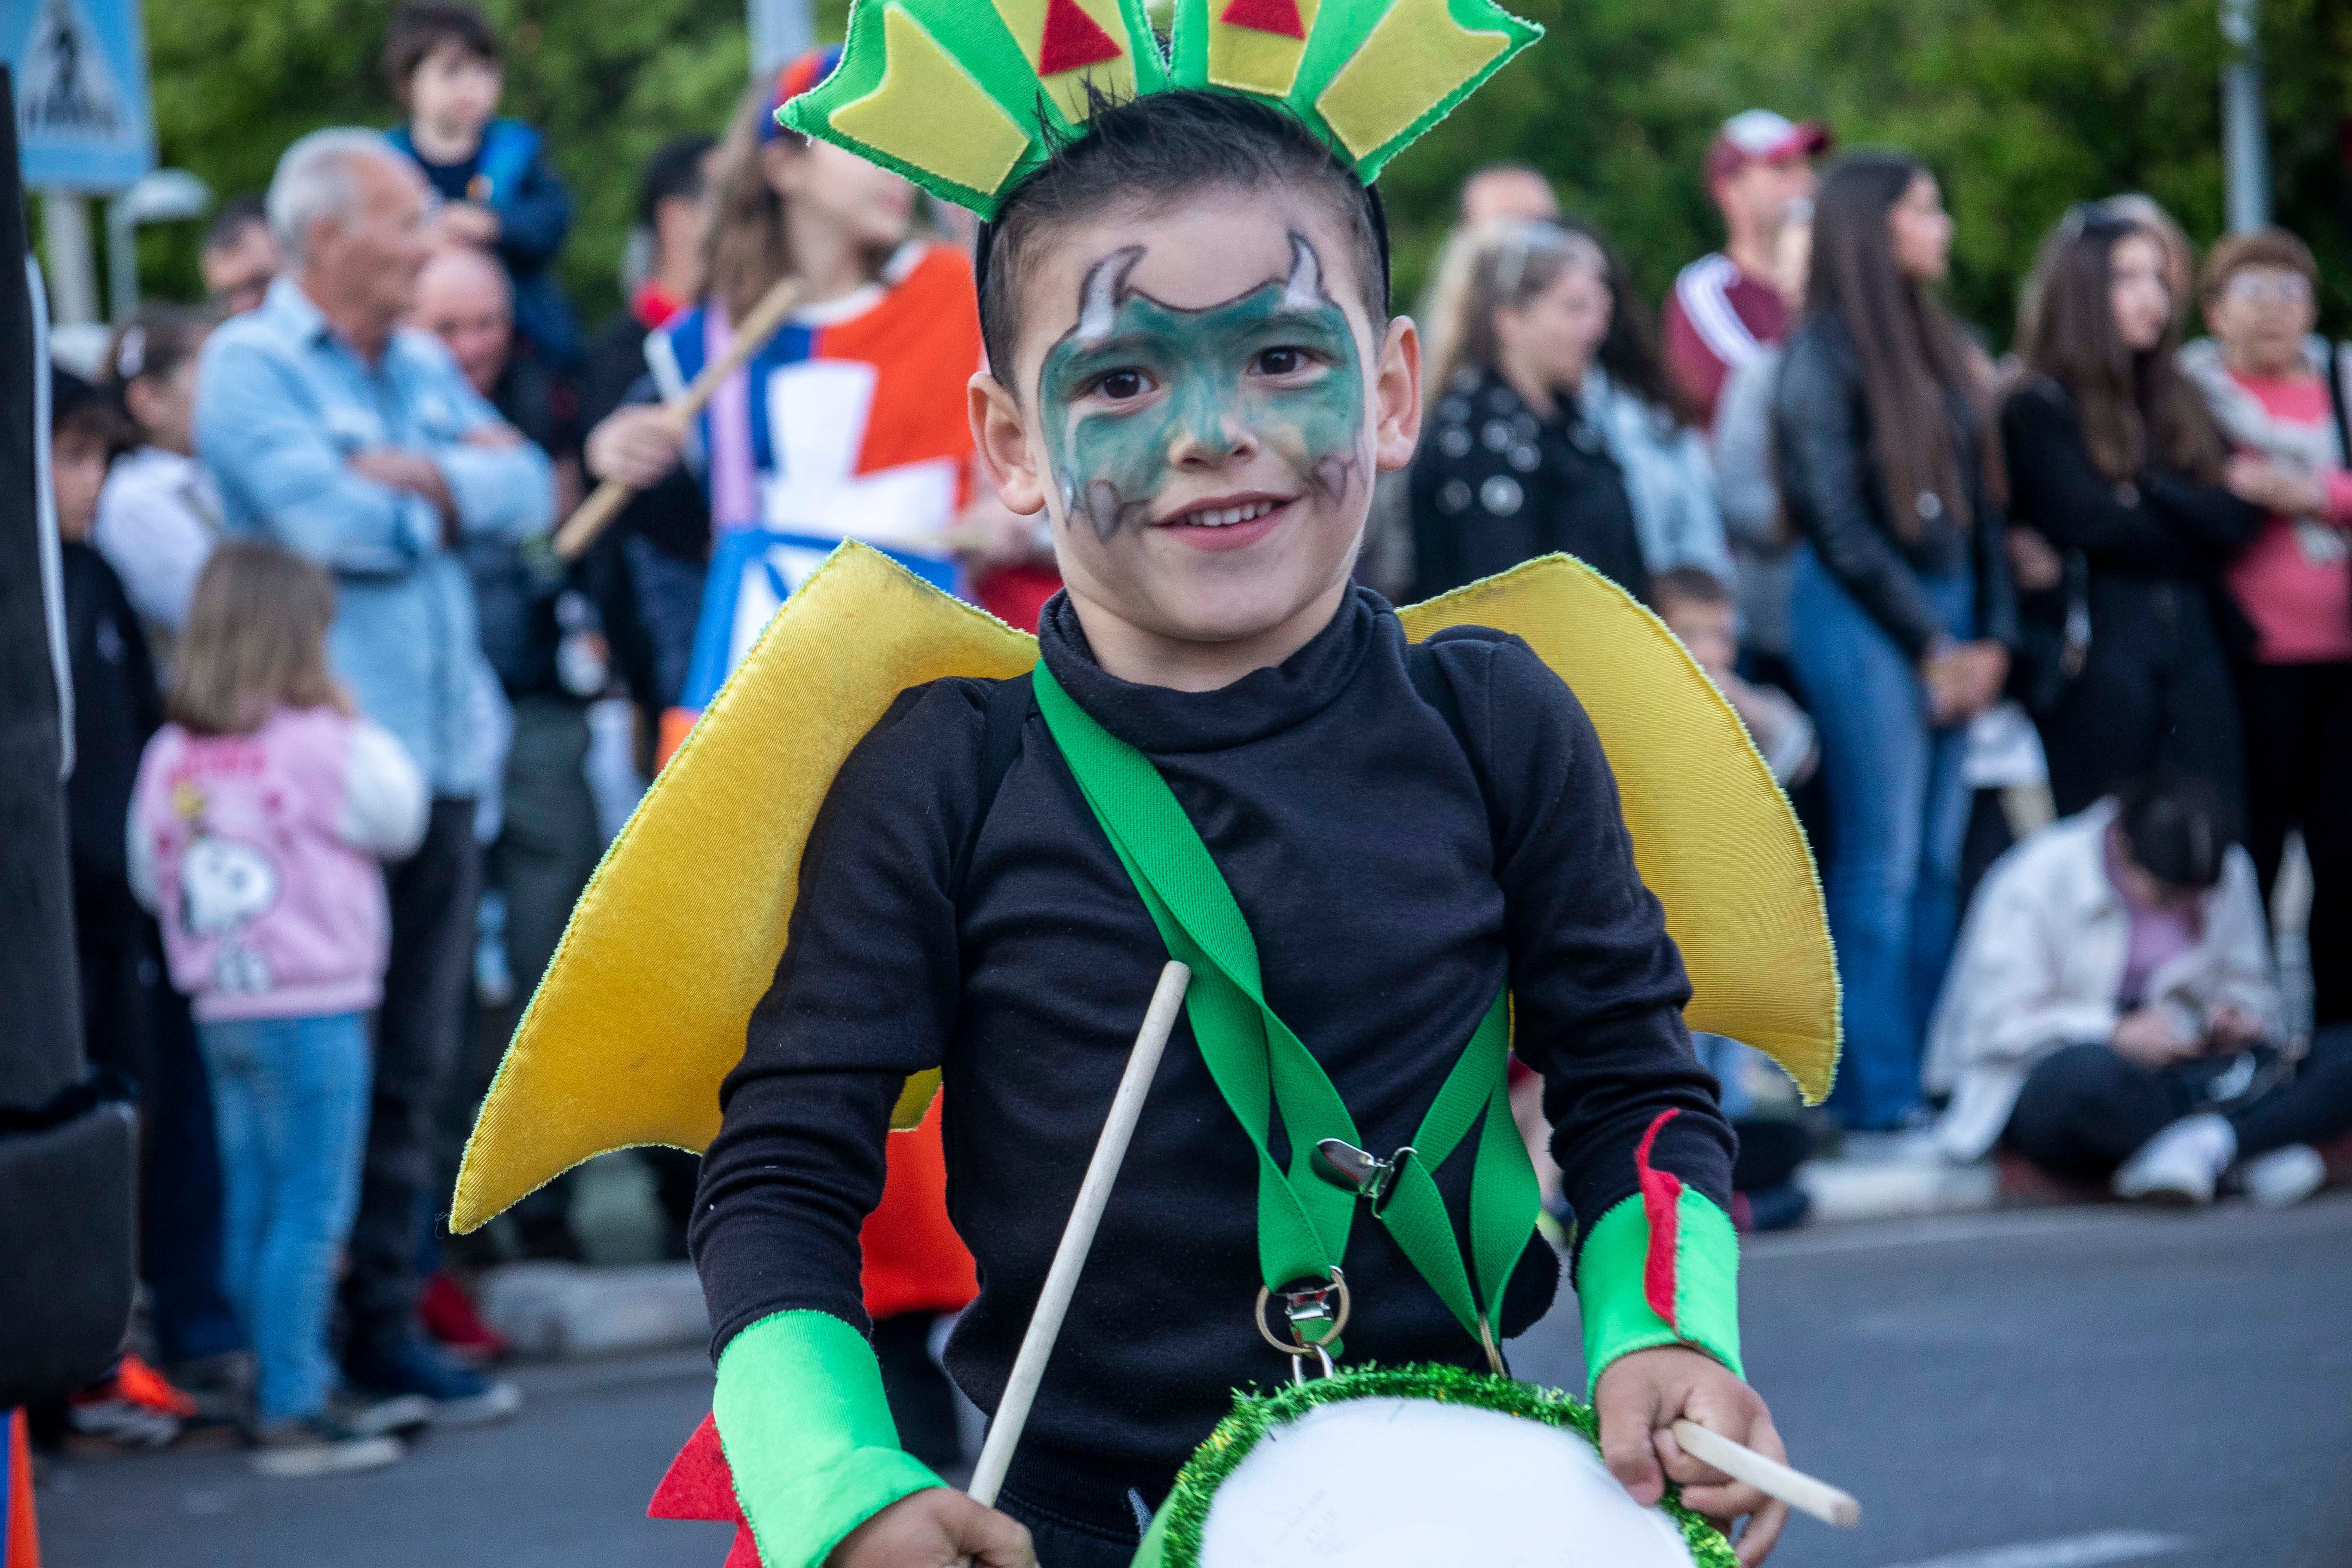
<point x="2111" y="1014"/>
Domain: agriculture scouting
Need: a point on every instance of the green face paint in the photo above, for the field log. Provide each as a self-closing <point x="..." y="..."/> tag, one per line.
<point x="1134" y="378"/>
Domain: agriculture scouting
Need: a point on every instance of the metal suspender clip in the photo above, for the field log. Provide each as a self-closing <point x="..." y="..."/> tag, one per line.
<point x="1372" y="1179"/>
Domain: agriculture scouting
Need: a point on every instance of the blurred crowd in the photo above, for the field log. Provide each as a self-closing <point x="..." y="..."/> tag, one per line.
<point x="2060" y="643"/>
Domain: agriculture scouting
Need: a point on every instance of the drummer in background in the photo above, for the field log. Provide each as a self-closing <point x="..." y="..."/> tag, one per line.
<point x="848" y="423"/>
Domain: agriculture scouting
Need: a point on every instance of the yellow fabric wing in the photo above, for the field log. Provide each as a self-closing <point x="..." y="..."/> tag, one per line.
<point x="1713" y="835"/>
<point x="642" y="1011"/>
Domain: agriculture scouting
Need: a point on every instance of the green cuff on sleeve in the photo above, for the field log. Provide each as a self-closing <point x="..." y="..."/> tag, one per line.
<point x="808" y="1435"/>
<point x="1620" y="1285"/>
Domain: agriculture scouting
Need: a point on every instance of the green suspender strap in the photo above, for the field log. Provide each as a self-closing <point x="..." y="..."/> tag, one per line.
<point x="1261" y="1068"/>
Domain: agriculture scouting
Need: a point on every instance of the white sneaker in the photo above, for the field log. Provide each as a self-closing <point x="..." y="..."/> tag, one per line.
<point x="2283" y="1176"/>
<point x="321" y="1445"/>
<point x="2180" y="1165"/>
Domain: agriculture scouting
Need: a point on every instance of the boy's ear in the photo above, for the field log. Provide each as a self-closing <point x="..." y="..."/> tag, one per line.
<point x="1000" y="441"/>
<point x="1396" y="395"/>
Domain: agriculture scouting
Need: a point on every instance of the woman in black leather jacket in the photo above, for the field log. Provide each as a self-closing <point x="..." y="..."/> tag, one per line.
<point x="1901" y="609"/>
<point x="2113" y="457"/>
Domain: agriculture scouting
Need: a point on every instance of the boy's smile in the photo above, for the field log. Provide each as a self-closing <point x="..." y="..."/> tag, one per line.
<point x="1206" y="405"/>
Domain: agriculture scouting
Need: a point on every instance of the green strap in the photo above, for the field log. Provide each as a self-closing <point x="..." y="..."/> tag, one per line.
<point x="1262" y="1068"/>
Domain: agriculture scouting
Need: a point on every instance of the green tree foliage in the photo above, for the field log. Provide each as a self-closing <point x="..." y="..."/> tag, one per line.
<point x="2022" y="106"/>
<point x="236" y="80"/>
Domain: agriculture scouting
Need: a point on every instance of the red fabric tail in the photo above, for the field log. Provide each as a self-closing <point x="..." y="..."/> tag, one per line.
<point x="697" y="1485"/>
<point x="1662" y="1193"/>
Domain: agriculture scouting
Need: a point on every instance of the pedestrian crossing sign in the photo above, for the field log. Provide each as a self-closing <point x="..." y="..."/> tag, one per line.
<point x="79" y="69"/>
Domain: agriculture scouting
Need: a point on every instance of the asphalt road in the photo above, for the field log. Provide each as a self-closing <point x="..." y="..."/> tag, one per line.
<point x="2045" y="1390"/>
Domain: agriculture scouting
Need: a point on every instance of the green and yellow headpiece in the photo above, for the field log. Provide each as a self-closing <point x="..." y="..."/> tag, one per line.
<point x="968" y="97"/>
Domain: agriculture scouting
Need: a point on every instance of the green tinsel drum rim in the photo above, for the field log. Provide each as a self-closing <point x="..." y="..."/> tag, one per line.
<point x="1186" y="1512"/>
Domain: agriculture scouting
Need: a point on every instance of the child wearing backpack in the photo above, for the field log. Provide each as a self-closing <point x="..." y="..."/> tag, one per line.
<point x="262" y="810"/>
<point x="500" y="190"/>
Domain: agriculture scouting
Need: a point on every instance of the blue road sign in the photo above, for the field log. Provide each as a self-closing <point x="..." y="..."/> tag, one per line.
<point x="83" y="118"/>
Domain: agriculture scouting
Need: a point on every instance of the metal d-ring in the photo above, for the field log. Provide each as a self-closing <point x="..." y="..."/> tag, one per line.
<point x="1308" y="1303"/>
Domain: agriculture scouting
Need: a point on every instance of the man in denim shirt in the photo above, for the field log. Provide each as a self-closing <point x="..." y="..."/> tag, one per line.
<point x="338" y="434"/>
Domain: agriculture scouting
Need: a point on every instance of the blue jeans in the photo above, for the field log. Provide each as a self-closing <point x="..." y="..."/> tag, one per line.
<point x="290" y="1106"/>
<point x="1898" y="810"/>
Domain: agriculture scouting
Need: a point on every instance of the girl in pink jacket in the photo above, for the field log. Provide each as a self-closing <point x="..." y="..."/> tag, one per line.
<point x="262" y="812"/>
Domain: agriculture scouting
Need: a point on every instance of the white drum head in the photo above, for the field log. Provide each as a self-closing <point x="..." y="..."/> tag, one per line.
<point x="1388" y="1482"/>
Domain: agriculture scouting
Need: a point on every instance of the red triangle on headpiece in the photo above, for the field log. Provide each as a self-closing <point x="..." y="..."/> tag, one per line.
<point x="1279" y="16"/>
<point x="1073" y="40"/>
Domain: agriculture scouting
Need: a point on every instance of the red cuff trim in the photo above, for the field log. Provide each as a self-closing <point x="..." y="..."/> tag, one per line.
<point x="1662" y="1193"/>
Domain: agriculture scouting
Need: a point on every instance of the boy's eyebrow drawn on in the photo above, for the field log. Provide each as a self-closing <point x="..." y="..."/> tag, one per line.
<point x="1105" y="289"/>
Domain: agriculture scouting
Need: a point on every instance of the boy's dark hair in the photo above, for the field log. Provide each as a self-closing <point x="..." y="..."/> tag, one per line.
<point x="1151" y="149"/>
<point x="674" y="170"/>
<point x="2173" y="828"/>
<point x="420" y="26"/>
<point x="236" y="215"/>
<point x="1687" y="585"/>
<point x="76" y="407"/>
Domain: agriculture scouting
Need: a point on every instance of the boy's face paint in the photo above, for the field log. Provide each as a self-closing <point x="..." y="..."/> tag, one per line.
<point x="1139" y="394"/>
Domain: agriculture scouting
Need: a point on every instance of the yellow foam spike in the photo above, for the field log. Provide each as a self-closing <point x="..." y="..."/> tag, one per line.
<point x="928" y="111"/>
<point x="1414" y="56"/>
<point x="1248" y="60"/>
<point x="643" y="1009"/>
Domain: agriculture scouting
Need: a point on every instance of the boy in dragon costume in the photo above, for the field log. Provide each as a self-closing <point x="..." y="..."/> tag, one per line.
<point x="915" y="848"/>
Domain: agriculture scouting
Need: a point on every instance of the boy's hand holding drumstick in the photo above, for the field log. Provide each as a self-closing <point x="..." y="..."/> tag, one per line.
<point x="1673" y="1414"/>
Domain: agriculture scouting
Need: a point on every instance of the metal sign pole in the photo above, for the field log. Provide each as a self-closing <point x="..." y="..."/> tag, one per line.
<point x="73" y="274"/>
<point x="781" y="31"/>
<point x="2245" y="136"/>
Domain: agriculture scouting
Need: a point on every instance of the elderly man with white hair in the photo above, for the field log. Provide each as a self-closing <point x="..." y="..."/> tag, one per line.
<point x="339" y="435"/>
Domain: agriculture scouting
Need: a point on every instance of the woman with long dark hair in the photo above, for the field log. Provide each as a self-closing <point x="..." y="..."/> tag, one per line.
<point x="2113" y="459"/>
<point x="1901" y="610"/>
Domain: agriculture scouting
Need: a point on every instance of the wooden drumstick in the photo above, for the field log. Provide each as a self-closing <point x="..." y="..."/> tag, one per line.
<point x="581" y="528"/>
<point x="1774" y="1479"/>
<point x="1078" y="1236"/>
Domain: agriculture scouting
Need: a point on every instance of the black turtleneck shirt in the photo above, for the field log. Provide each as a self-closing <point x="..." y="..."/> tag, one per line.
<point x="1388" y="907"/>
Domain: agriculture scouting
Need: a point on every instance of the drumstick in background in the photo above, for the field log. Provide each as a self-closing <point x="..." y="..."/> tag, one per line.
<point x="581" y="528"/>
<point x="1774" y="1479"/>
<point x="1078" y="1236"/>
